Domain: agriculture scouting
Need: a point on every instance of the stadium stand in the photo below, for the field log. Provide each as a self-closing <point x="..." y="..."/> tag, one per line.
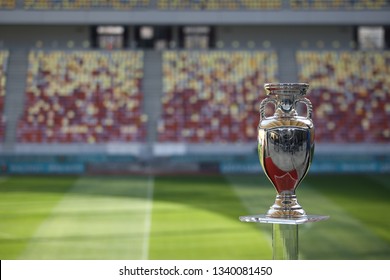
<point x="83" y="97"/>
<point x="338" y="4"/>
<point x="85" y="4"/>
<point x="219" y="5"/>
<point x="3" y="72"/>
<point x="195" y="5"/>
<point x="161" y="4"/>
<point x="190" y="102"/>
<point x="212" y="96"/>
<point x="7" y="4"/>
<point x="351" y="93"/>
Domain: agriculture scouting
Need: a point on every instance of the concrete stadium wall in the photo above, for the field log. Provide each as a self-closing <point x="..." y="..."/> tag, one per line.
<point x="187" y="159"/>
<point x="53" y="36"/>
<point x="281" y="37"/>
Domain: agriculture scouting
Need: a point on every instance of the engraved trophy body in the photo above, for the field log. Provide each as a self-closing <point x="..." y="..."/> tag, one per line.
<point x="286" y="145"/>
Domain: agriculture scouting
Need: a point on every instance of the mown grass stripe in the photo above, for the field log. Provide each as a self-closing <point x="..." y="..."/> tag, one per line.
<point x="196" y="217"/>
<point x="348" y="234"/>
<point x="25" y="202"/>
<point x="3" y="179"/>
<point x="357" y="206"/>
<point x="99" y="218"/>
<point x="191" y="217"/>
<point x="256" y="194"/>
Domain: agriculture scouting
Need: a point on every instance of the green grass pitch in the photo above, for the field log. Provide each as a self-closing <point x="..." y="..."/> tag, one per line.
<point x="186" y="217"/>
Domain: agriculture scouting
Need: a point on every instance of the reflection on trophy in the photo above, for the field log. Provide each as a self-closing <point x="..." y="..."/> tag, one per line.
<point x="286" y="145"/>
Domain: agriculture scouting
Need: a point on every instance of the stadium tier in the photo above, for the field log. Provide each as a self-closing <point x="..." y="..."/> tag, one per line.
<point x="7" y="4"/>
<point x="83" y="97"/>
<point x="350" y="92"/>
<point x="143" y="4"/>
<point x="3" y="76"/>
<point x="219" y="5"/>
<point x="85" y="4"/>
<point x="194" y="5"/>
<point x="207" y="96"/>
<point x="338" y="4"/>
<point x="212" y="96"/>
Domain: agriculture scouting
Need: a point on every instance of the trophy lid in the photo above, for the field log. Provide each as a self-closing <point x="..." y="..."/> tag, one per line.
<point x="286" y="88"/>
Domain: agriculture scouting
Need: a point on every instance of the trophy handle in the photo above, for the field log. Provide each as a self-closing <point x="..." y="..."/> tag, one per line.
<point x="262" y="106"/>
<point x="309" y="106"/>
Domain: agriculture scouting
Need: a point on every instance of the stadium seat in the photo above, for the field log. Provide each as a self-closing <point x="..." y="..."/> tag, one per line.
<point x="338" y="4"/>
<point x="3" y="78"/>
<point x="7" y="4"/>
<point x="83" y="97"/>
<point x="194" y="5"/>
<point x="85" y="4"/>
<point x="219" y="5"/>
<point x="212" y="96"/>
<point x="350" y="94"/>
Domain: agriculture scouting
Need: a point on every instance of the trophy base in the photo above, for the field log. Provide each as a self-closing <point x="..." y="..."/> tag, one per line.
<point x="286" y="206"/>
<point x="295" y="221"/>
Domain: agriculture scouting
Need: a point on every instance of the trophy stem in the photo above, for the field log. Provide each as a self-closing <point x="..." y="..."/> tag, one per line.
<point x="285" y="242"/>
<point x="286" y="206"/>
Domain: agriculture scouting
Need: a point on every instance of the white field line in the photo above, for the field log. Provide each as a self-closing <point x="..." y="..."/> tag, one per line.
<point x="148" y="218"/>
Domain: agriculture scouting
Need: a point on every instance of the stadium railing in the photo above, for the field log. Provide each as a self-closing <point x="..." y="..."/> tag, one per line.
<point x="83" y="97"/>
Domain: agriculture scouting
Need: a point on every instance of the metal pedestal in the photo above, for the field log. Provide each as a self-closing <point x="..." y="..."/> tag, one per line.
<point x="284" y="233"/>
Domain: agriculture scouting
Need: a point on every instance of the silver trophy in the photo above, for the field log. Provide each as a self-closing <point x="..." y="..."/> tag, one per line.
<point x="286" y="145"/>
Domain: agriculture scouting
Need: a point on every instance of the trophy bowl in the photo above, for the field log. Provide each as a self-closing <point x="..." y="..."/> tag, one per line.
<point x="286" y="145"/>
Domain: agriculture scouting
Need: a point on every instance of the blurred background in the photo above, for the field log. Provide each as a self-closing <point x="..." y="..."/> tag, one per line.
<point x="128" y="128"/>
